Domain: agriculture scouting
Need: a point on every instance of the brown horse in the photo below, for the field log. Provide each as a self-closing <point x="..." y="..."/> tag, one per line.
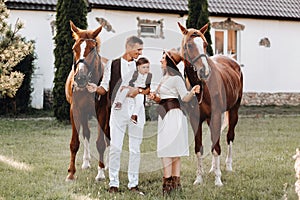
<point x="88" y="67"/>
<point x="221" y="83"/>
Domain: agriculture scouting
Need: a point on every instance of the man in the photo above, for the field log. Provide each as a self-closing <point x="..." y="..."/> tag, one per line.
<point x="118" y="71"/>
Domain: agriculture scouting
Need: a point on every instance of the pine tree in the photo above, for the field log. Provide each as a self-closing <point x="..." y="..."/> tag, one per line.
<point x="75" y="10"/>
<point x="198" y="16"/>
<point x="13" y="48"/>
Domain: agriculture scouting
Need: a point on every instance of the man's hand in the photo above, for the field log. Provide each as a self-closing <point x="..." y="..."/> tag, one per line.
<point x="92" y="87"/>
<point x="133" y="91"/>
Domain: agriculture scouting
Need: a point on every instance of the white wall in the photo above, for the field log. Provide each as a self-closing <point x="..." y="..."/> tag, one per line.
<point x="274" y="69"/>
<point x="37" y="28"/>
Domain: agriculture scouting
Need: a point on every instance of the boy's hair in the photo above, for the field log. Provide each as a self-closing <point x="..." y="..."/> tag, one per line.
<point x="142" y="61"/>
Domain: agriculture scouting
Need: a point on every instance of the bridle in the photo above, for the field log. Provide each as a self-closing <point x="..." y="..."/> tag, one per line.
<point x="192" y="61"/>
<point x="83" y="79"/>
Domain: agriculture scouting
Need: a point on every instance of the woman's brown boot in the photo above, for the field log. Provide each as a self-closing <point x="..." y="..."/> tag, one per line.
<point x="167" y="185"/>
<point x="176" y="182"/>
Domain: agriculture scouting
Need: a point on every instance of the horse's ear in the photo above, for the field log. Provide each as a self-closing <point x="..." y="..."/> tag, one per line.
<point x="204" y="28"/>
<point x="74" y="29"/>
<point x="183" y="30"/>
<point x="96" y="32"/>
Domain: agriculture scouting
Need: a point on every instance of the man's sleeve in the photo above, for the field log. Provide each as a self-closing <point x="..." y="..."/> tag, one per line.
<point x="106" y="76"/>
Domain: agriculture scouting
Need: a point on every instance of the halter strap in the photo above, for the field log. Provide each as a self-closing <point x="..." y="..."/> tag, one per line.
<point x="192" y="61"/>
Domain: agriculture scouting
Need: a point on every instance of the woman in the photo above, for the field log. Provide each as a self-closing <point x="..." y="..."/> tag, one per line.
<point x="172" y="138"/>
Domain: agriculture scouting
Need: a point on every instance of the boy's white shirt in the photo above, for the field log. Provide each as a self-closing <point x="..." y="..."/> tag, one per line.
<point x="141" y="80"/>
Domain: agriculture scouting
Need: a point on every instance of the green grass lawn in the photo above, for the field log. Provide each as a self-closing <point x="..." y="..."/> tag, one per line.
<point x="262" y="163"/>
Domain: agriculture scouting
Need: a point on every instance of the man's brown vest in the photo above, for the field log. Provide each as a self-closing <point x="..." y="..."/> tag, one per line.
<point x="115" y="78"/>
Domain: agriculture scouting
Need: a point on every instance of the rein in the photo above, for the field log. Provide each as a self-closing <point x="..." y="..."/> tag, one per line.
<point x="198" y="81"/>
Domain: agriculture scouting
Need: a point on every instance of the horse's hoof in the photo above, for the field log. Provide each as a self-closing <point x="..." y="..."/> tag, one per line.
<point x="70" y="178"/>
<point x="100" y="176"/>
<point x="198" y="180"/>
<point x="218" y="182"/>
<point x="229" y="168"/>
<point x="85" y="165"/>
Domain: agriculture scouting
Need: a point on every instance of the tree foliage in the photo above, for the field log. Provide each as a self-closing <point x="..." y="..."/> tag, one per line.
<point x="198" y="16"/>
<point x="20" y="103"/>
<point x="13" y="48"/>
<point x="75" y="10"/>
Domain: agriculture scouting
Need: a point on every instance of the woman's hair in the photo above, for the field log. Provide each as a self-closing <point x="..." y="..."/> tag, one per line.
<point x="172" y="69"/>
<point x="142" y="61"/>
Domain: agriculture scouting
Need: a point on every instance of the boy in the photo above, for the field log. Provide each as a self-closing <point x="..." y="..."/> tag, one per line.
<point x="141" y="78"/>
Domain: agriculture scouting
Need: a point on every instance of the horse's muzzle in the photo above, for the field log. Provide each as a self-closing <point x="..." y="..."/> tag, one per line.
<point x="81" y="80"/>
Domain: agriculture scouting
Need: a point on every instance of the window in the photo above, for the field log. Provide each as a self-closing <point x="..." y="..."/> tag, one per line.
<point x="150" y="28"/>
<point x="227" y="38"/>
<point x="232" y="40"/>
<point x="219" y="42"/>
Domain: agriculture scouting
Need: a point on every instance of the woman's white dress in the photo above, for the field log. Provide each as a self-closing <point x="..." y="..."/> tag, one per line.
<point x="172" y="138"/>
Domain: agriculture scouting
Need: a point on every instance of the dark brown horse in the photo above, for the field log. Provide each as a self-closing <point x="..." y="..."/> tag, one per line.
<point x="88" y="67"/>
<point x="221" y="83"/>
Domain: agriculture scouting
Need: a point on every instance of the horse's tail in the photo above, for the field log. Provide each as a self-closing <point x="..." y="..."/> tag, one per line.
<point x="68" y="86"/>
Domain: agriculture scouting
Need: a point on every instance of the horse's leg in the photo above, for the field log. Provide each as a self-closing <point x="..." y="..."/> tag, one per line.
<point x="199" y="152"/>
<point x="213" y="163"/>
<point x="100" y="143"/>
<point x="74" y="146"/>
<point x="102" y="140"/>
<point x="86" y="141"/>
<point x="215" y="129"/>
<point x="233" y="119"/>
<point x="224" y="125"/>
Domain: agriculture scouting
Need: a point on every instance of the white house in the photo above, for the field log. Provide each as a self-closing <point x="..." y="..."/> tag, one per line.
<point x="262" y="35"/>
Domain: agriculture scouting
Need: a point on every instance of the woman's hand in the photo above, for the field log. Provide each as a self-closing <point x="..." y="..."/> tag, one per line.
<point x="91" y="87"/>
<point x="151" y="95"/>
<point x="196" y="89"/>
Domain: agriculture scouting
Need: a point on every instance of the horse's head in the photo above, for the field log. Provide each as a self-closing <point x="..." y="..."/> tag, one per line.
<point x="87" y="62"/>
<point x="193" y="50"/>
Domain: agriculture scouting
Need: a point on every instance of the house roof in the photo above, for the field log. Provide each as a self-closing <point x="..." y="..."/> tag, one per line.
<point x="165" y="6"/>
<point x="282" y="9"/>
<point x="31" y="4"/>
<point x="270" y="9"/>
